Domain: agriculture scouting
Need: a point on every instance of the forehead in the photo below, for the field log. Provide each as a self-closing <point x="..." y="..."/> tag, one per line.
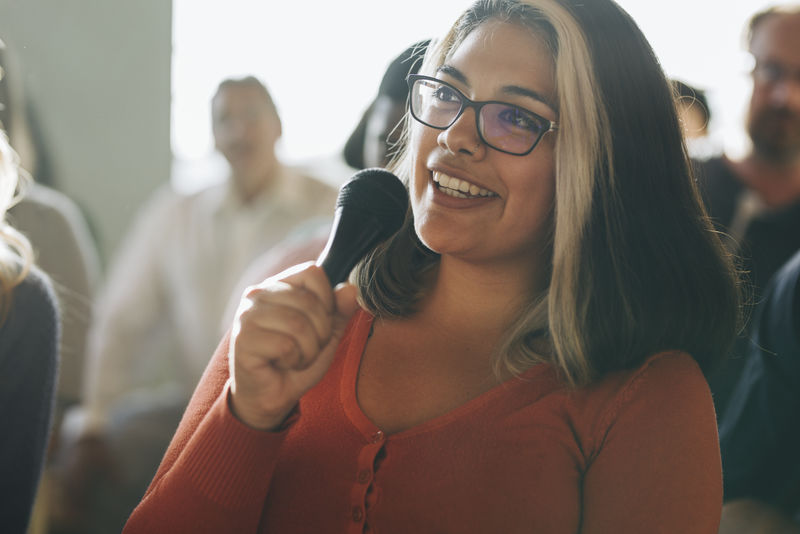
<point x="233" y="96"/>
<point x="777" y="38"/>
<point x="504" y="53"/>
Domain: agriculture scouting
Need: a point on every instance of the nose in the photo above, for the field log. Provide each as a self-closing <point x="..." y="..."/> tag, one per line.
<point x="462" y="136"/>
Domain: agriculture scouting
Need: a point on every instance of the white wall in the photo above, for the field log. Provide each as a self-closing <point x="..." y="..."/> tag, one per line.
<point x="98" y="73"/>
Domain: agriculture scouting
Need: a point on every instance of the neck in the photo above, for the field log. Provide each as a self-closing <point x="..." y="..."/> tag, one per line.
<point x="475" y="301"/>
<point x="250" y="185"/>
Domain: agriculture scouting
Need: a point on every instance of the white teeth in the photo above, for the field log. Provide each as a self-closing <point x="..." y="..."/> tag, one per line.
<point x="460" y="188"/>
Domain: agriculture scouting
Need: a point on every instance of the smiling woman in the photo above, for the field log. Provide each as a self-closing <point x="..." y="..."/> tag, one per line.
<point x="503" y="362"/>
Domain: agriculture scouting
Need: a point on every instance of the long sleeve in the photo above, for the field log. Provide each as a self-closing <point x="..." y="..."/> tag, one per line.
<point x="131" y="315"/>
<point x="759" y="434"/>
<point x="28" y="371"/>
<point x="657" y="469"/>
<point x="216" y="472"/>
<point x="636" y="452"/>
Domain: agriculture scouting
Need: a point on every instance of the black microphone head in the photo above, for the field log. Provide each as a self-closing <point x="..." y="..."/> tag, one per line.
<point x="371" y="207"/>
<point x="379" y="193"/>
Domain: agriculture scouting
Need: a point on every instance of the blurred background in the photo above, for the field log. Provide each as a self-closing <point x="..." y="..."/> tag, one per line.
<point x="119" y="91"/>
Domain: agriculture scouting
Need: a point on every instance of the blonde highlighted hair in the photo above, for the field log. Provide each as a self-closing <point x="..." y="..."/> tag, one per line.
<point x="16" y="256"/>
<point x="635" y="266"/>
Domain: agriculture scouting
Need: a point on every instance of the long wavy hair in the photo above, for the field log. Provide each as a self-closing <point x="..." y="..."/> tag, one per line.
<point x="16" y="256"/>
<point x="635" y="267"/>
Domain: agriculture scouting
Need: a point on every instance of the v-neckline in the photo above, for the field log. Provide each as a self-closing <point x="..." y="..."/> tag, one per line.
<point x="349" y="381"/>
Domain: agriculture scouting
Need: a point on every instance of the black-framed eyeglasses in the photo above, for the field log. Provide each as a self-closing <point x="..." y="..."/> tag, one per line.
<point x="504" y="127"/>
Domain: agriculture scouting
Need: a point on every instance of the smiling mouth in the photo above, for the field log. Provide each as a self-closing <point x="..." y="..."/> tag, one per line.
<point x="455" y="187"/>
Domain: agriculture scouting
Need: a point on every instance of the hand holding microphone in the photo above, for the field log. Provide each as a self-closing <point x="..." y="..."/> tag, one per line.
<point x="287" y="328"/>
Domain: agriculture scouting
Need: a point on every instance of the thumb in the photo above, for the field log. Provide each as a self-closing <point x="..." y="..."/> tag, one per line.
<point x="346" y="303"/>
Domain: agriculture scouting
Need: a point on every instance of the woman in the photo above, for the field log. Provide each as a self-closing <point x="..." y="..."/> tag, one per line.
<point x="28" y="361"/>
<point x="531" y="358"/>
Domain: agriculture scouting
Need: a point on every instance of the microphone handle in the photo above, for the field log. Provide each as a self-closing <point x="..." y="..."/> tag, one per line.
<point x="355" y="233"/>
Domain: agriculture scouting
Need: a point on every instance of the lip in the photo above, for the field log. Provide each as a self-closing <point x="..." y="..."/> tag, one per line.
<point x="445" y="200"/>
<point x="448" y="201"/>
<point x="455" y="173"/>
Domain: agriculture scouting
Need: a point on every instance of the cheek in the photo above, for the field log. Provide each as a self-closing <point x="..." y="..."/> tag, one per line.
<point x="220" y="137"/>
<point x="265" y="132"/>
<point x="415" y="135"/>
<point x="759" y="98"/>
<point x="538" y="208"/>
<point x="422" y="139"/>
<point x="534" y="205"/>
<point x="418" y="146"/>
<point x="548" y="196"/>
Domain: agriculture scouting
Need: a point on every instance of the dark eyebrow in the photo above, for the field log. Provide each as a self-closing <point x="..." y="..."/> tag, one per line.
<point x="511" y="90"/>
<point x="453" y="73"/>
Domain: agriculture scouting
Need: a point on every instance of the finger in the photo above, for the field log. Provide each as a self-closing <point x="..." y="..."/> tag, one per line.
<point x="288" y="271"/>
<point x="263" y="306"/>
<point x="265" y="348"/>
<point x="345" y="296"/>
<point x="313" y="278"/>
<point x="305" y="290"/>
<point x="279" y="333"/>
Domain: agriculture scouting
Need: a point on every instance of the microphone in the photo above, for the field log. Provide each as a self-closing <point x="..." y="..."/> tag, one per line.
<point x="370" y="208"/>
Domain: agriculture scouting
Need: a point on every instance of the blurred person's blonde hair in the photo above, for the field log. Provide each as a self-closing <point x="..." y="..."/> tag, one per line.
<point x="16" y="255"/>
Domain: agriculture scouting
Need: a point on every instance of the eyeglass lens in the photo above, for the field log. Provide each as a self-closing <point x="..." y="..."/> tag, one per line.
<point x="502" y="126"/>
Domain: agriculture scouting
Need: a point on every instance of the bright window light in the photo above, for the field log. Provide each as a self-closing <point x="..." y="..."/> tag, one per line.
<point x="304" y="50"/>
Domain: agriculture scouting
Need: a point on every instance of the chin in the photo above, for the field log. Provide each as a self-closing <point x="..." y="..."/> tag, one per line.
<point x="423" y="240"/>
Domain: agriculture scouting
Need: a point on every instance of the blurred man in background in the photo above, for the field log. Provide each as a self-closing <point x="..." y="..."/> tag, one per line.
<point x="160" y="316"/>
<point x="755" y="201"/>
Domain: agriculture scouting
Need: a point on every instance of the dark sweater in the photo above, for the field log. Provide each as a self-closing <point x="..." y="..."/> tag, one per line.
<point x="760" y="434"/>
<point x="28" y="369"/>
<point x="769" y="241"/>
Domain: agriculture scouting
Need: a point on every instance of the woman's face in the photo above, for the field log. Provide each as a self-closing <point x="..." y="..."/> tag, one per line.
<point x="506" y="219"/>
